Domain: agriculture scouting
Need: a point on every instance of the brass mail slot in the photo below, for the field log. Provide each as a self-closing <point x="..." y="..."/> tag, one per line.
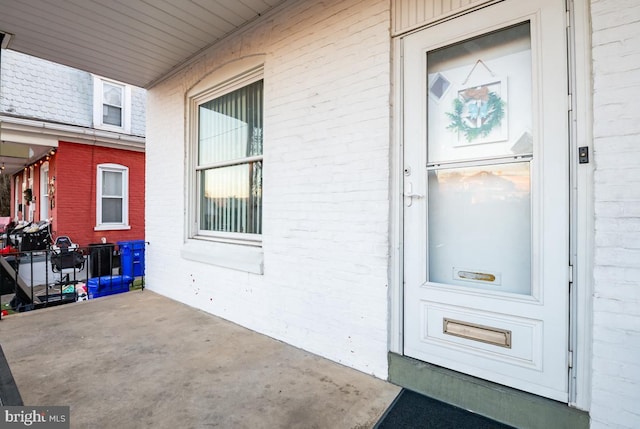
<point x="485" y="277"/>
<point x="496" y="336"/>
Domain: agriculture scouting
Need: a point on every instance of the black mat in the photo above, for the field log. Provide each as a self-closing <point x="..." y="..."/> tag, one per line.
<point x="415" y="411"/>
<point x="9" y="393"/>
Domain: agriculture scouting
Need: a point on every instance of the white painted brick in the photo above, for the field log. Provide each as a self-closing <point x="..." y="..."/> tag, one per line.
<point x="627" y="292"/>
<point x="618" y="313"/>
<point x="616" y="317"/>
<point x="608" y="414"/>
<point x="327" y="87"/>
<point x="616" y="338"/>
<point x="626" y="240"/>
<point x="604" y="275"/>
<point x="616" y="256"/>
<point x="326" y="192"/>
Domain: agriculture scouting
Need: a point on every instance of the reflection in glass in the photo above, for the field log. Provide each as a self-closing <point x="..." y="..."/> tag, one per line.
<point x="112" y="210"/>
<point x="112" y="94"/>
<point x="112" y="197"/>
<point x="479" y="227"/>
<point x="231" y="198"/>
<point x="112" y="105"/>
<point x="231" y="126"/>
<point x="111" y="183"/>
<point x="229" y="165"/>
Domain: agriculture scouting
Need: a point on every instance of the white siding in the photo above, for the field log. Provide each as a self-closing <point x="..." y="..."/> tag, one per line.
<point x="410" y="14"/>
<point x="616" y="345"/>
<point x="326" y="184"/>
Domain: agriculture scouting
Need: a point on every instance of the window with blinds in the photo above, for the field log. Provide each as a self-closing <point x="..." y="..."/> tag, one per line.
<point x="229" y="162"/>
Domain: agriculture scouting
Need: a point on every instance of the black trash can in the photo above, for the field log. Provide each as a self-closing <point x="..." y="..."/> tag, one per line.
<point x="7" y="281"/>
<point x="101" y="259"/>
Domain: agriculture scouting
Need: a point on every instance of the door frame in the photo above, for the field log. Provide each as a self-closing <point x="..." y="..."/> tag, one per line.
<point x="581" y="201"/>
<point x="43" y="198"/>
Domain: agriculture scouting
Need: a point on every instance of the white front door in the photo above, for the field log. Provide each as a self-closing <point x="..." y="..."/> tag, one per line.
<point x="486" y="205"/>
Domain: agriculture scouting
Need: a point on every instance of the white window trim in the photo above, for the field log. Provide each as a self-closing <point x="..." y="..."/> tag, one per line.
<point x="98" y="103"/>
<point x="44" y="191"/>
<point x="106" y="226"/>
<point x="237" y="251"/>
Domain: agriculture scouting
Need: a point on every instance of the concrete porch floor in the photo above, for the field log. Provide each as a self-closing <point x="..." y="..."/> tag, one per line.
<point x="139" y="359"/>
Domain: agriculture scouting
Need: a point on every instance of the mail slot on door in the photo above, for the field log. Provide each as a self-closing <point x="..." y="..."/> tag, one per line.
<point x="472" y="331"/>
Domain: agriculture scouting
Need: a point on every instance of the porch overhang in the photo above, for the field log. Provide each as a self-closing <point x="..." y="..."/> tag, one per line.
<point x="135" y="42"/>
<point x="18" y="148"/>
<point x="26" y="141"/>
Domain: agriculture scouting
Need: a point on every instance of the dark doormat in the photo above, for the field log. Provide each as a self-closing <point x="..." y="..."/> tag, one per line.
<point x="9" y="394"/>
<point x="416" y="411"/>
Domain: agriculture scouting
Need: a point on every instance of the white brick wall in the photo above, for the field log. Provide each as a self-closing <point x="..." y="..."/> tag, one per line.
<point x="616" y="344"/>
<point x="326" y="151"/>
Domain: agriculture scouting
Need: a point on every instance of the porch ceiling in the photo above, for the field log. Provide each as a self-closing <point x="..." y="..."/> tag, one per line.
<point x="133" y="41"/>
<point x="15" y="156"/>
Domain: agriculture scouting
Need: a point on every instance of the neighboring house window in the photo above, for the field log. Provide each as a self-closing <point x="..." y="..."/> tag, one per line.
<point x="227" y="160"/>
<point x="112" y="199"/>
<point x="112" y="105"/>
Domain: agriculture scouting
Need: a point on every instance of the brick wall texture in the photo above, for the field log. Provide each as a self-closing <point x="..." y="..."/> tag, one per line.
<point x="75" y="209"/>
<point x="326" y="191"/>
<point x="326" y="175"/>
<point x="616" y="131"/>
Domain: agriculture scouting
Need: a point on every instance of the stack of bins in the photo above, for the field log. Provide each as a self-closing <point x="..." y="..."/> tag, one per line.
<point x="131" y="266"/>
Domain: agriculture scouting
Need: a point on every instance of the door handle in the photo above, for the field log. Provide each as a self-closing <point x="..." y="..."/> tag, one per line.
<point x="411" y="195"/>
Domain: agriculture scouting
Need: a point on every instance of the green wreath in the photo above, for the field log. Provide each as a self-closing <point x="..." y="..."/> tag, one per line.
<point x="495" y="113"/>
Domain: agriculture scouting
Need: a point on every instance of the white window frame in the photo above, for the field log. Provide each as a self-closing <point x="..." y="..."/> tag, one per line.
<point x="194" y="103"/>
<point x="237" y="251"/>
<point x="98" y="102"/>
<point x="105" y="226"/>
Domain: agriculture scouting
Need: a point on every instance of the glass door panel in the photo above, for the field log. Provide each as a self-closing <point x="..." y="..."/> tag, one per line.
<point x="479" y="227"/>
<point x="479" y="102"/>
<point x="479" y="148"/>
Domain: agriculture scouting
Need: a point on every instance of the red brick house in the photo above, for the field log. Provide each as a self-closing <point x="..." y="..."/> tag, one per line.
<point x="72" y="179"/>
<point x="73" y="143"/>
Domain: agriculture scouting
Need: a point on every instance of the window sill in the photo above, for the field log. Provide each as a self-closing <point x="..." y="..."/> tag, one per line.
<point x="234" y="256"/>
<point x="111" y="227"/>
<point x="113" y="128"/>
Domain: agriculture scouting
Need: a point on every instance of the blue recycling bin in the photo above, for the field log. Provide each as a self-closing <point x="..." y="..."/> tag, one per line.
<point x="108" y="285"/>
<point x="132" y="258"/>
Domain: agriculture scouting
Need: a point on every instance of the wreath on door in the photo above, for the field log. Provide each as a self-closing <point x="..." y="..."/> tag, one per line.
<point x="476" y="112"/>
<point x="28" y="196"/>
